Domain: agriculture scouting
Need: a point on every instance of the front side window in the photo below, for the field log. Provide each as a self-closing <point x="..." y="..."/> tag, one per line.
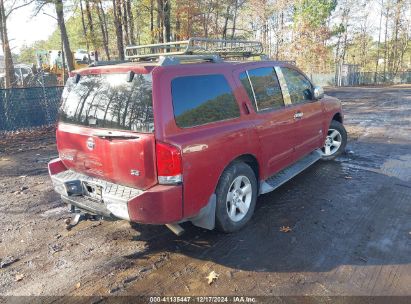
<point x="202" y="99"/>
<point x="109" y="101"/>
<point x="299" y="86"/>
<point x="263" y="88"/>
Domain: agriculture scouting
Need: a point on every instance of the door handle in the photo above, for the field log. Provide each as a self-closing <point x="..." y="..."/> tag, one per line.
<point x="298" y="115"/>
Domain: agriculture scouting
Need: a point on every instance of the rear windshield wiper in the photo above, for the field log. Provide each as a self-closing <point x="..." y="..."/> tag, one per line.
<point x="110" y="135"/>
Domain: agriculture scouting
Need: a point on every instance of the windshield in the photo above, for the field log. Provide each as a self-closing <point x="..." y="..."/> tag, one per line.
<point x="109" y="101"/>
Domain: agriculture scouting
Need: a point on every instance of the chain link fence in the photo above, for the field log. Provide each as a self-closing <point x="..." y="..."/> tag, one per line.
<point x="369" y="78"/>
<point x="26" y="108"/>
<point x="353" y="77"/>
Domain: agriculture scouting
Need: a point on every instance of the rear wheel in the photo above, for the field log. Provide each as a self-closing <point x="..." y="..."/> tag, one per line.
<point x="335" y="141"/>
<point x="236" y="197"/>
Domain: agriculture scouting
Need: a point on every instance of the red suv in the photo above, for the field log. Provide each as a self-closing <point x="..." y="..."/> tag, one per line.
<point x="188" y="138"/>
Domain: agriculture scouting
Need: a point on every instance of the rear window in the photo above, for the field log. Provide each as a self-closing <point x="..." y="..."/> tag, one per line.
<point x="109" y="101"/>
<point x="203" y="99"/>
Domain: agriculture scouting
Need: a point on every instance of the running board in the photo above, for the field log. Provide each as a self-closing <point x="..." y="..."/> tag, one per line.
<point x="288" y="173"/>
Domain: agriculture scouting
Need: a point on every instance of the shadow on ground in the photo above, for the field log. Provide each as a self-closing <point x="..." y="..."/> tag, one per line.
<point x="343" y="212"/>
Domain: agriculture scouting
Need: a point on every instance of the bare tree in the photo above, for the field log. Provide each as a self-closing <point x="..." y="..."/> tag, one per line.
<point x="125" y="21"/>
<point x="58" y="4"/>
<point x="387" y="14"/>
<point x="399" y="36"/>
<point x="130" y="18"/>
<point x="119" y="28"/>
<point x="226" y="18"/>
<point x="160" y="21"/>
<point x="167" y="20"/>
<point x="103" y="27"/>
<point x="379" y="42"/>
<point x="83" y="23"/>
<point x="10" y="78"/>
<point x="8" y="60"/>
<point x="152" y="21"/>
<point x="90" y="25"/>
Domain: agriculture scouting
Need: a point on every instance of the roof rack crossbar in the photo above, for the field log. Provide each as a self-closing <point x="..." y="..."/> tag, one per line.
<point x="195" y="46"/>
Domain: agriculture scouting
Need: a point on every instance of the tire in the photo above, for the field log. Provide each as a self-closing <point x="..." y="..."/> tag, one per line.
<point x="336" y="141"/>
<point x="233" y="214"/>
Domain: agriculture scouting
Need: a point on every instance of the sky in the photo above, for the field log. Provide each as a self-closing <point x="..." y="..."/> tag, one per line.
<point x="24" y="28"/>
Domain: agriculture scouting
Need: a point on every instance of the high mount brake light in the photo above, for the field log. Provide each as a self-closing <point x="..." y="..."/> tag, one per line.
<point x="169" y="164"/>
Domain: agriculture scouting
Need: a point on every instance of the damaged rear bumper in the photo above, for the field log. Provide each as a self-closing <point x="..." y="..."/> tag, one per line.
<point x="157" y="205"/>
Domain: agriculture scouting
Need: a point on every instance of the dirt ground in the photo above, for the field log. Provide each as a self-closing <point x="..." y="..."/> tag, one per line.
<point x="349" y="219"/>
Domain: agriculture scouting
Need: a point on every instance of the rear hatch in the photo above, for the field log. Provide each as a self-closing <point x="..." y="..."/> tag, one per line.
<point x="106" y="128"/>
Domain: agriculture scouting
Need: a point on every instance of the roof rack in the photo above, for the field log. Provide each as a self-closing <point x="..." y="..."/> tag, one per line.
<point x="195" y="46"/>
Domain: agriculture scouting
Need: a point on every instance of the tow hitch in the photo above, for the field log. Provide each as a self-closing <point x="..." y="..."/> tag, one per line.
<point x="73" y="221"/>
<point x="79" y="216"/>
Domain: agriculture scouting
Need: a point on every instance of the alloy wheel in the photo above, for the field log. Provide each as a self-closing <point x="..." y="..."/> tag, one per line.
<point x="332" y="143"/>
<point x="239" y="198"/>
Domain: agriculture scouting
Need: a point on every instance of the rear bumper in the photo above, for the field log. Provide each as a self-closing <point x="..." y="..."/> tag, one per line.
<point x="88" y="205"/>
<point x="158" y="205"/>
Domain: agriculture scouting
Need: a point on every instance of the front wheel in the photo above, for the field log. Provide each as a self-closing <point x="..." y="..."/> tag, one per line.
<point x="335" y="141"/>
<point x="236" y="197"/>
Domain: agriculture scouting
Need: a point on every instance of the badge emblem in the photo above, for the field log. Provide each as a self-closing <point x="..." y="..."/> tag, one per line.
<point x="90" y="143"/>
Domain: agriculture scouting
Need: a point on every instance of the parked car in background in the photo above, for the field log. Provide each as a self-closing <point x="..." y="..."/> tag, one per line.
<point x="83" y="55"/>
<point x="188" y="137"/>
<point x="22" y="73"/>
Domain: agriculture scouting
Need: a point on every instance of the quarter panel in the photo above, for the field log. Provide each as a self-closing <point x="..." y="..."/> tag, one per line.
<point x="206" y="153"/>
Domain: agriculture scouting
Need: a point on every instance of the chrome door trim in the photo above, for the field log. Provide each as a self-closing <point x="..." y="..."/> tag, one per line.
<point x="283" y="85"/>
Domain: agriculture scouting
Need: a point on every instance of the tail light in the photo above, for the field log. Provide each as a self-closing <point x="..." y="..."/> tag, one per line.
<point x="169" y="165"/>
<point x="56" y="166"/>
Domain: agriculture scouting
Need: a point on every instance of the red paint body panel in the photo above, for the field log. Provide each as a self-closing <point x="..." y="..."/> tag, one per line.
<point x="111" y="159"/>
<point x="158" y="205"/>
<point x="309" y="129"/>
<point x="206" y="153"/>
<point x="274" y="130"/>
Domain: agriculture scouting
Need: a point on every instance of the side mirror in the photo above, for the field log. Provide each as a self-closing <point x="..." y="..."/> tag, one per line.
<point x="318" y="92"/>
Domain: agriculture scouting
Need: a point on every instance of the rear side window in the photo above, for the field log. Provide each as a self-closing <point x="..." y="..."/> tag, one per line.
<point x="263" y="88"/>
<point x="203" y="99"/>
<point x="299" y="87"/>
<point x="109" y="101"/>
